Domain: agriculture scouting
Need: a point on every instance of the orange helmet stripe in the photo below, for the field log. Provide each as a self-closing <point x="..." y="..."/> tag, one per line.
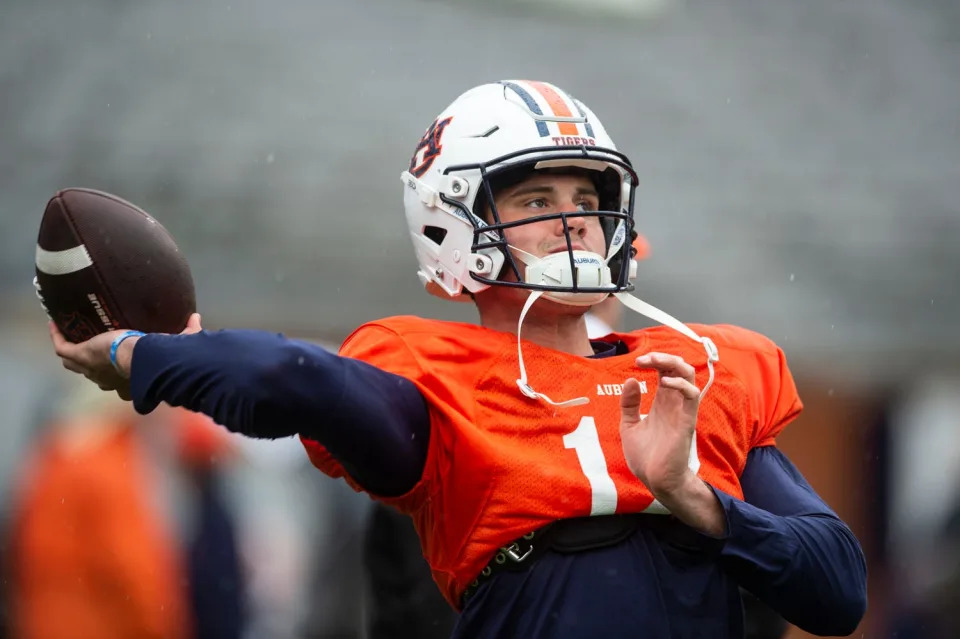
<point x="558" y="105"/>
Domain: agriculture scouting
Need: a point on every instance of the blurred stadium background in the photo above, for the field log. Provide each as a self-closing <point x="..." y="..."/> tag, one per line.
<point x="800" y="167"/>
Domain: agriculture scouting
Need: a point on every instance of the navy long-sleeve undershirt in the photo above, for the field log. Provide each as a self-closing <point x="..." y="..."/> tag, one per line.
<point x="783" y="543"/>
<point x="263" y="385"/>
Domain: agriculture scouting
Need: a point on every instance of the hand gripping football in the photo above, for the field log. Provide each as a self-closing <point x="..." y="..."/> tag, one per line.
<point x="105" y="264"/>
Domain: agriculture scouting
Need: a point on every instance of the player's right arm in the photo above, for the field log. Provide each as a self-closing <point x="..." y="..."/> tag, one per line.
<point x="264" y="385"/>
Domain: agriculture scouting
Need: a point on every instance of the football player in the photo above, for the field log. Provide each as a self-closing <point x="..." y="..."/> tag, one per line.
<point x="561" y="487"/>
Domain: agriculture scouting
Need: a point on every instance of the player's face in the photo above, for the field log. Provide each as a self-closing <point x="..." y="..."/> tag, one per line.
<point x="552" y="193"/>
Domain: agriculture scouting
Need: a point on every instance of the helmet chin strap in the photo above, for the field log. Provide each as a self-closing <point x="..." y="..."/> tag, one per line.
<point x="637" y="305"/>
<point x="522" y="383"/>
<point x="593" y="272"/>
<point x="554" y="270"/>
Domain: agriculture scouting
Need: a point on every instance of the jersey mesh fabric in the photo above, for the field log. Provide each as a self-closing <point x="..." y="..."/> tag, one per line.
<point x="497" y="465"/>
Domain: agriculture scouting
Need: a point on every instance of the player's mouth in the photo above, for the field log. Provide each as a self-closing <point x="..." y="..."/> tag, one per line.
<point x="563" y="249"/>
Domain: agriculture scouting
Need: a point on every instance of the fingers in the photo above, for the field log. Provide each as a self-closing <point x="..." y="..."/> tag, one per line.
<point x="688" y="389"/>
<point x="630" y="400"/>
<point x="66" y="351"/>
<point x="74" y="357"/>
<point x="666" y="364"/>
<point x="90" y="360"/>
<point x="675" y="373"/>
<point x="71" y="365"/>
<point x="60" y="344"/>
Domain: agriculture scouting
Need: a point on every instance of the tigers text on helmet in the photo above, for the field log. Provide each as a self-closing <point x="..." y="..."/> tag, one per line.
<point x="499" y="132"/>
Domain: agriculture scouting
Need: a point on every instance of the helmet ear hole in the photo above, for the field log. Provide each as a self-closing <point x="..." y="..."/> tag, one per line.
<point x="435" y="234"/>
<point x="609" y="184"/>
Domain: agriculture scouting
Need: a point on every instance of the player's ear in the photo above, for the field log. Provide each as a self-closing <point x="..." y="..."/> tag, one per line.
<point x="193" y="325"/>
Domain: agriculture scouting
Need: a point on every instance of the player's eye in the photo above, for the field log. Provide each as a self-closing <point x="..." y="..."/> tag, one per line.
<point x="588" y="204"/>
<point x="537" y="203"/>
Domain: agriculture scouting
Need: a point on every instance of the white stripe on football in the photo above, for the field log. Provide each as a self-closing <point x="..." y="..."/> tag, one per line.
<point x="63" y="262"/>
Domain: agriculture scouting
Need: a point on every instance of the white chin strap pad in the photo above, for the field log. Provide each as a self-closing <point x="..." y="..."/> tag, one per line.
<point x="591" y="271"/>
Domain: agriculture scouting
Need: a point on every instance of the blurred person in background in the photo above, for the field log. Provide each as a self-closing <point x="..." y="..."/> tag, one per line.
<point x="934" y="612"/>
<point x="93" y="554"/>
<point x="400" y="590"/>
<point x="536" y="522"/>
<point x="113" y="530"/>
<point x="945" y="596"/>
<point x="923" y="545"/>
<point x="334" y="600"/>
<point x="215" y="574"/>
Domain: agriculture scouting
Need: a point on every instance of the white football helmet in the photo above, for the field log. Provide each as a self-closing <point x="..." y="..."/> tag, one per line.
<point x="495" y="131"/>
<point x="496" y="134"/>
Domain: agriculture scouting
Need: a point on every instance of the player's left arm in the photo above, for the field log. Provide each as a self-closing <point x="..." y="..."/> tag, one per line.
<point x="783" y="543"/>
<point x="786" y="546"/>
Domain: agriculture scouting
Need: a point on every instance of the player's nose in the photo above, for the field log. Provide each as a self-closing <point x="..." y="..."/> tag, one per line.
<point x="575" y="221"/>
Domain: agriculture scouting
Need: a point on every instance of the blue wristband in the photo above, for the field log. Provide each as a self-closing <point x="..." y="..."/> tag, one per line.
<point x="116" y="344"/>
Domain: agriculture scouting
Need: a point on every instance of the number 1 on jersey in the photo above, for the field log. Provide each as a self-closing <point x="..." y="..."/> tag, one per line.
<point x="586" y="442"/>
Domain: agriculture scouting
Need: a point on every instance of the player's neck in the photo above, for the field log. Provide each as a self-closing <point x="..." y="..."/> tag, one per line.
<point x="548" y="324"/>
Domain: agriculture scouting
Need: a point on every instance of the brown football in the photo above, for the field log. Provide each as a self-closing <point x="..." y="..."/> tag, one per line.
<point x="104" y="264"/>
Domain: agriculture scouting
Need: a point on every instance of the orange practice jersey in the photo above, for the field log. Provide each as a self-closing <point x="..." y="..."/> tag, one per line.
<point x="500" y="464"/>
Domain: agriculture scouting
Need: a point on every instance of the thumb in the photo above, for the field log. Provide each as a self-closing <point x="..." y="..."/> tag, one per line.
<point x="630" y="401"/>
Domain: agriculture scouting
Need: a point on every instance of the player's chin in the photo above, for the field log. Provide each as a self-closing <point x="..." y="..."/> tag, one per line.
<point x="561" y="309"/>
